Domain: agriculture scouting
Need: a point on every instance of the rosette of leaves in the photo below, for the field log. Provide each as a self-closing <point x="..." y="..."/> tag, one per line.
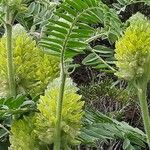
<point x="33" y="69"/>
<point x="71" y="114"/>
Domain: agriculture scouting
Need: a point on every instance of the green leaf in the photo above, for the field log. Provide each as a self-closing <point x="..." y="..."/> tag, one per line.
<point x="76" y="44"/>
<point x="101" y="58"/>
<point x="99" y="126"/>
<point x="126" y="144"/>
<point x="58" y="29"/>
<point x="60" y="23"/>
<point x="31" y="8"/>
<point x="64" y="16"/>
<point x="75" y="5"/>
<point x="103" y="49"/>
<point x="69" y="32"/>
<point x="68" y="10"/>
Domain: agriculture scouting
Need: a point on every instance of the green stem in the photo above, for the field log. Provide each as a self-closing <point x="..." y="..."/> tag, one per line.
<point x="57" y="140"/>
<point x="10" y="65"/>
<point x="142" y="91"/>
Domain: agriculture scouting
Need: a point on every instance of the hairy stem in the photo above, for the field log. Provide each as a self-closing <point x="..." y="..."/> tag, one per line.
<point x="57" y="140"/>
<point x="10" y="65"/>
<point x="144" y="110"/>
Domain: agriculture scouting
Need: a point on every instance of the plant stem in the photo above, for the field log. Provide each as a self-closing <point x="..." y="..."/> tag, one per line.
<point x="57" y="143"/>
<point x="142" y="91"/>
<point x="57" y="140"/>
<point x="10" y="65"/>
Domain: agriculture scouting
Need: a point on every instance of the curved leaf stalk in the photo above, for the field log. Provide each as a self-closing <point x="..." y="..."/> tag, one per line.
<point x="57" y="140"/>
<point x="144" y="110"/>
<point x="63" y="74"/>
<point x="10" y="64"/>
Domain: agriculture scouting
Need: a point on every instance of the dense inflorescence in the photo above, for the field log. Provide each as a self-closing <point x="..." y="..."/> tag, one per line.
<point x="38" y="130"/>
<point x="133" y="49"/>
<point x="23" y="137"/>
<point x="71" y="113"/>
<point x="33" y="69"/>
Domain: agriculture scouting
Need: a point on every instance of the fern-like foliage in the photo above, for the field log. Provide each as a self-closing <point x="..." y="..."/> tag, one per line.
<point x="63" y="33"/>
<point x="101" y="58"/>
<point x="37" y="15"/>
<point x="101" y="128"/>
<point x="72" y="29"/>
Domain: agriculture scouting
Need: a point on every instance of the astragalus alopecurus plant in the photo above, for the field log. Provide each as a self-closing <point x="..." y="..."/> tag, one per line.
<point x="67" y="37"/>
<point x="133" y="61"/>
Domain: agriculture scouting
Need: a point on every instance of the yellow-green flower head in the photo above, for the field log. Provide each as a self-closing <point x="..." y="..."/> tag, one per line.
<point x="133" y="49"/>
<point x="71" y="113"/>
<point x="33" y="69"/>
<point x="22" y="136"/>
